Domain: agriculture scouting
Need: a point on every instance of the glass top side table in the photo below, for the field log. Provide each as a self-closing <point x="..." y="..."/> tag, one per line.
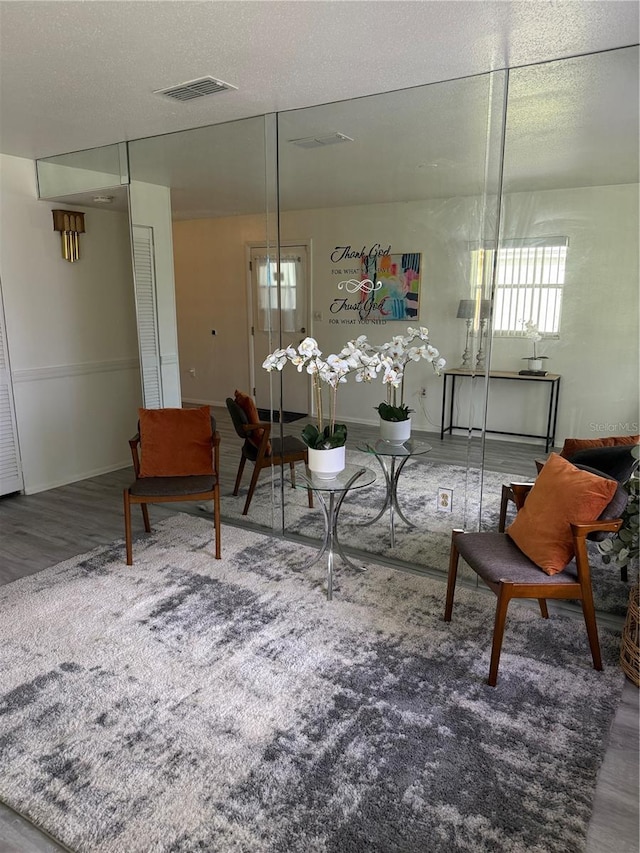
<point x="353" y="477"/>
<point x="392" y="458"/>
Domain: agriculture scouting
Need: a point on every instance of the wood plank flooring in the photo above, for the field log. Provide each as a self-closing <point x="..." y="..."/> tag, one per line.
<point x="38" y="531"/>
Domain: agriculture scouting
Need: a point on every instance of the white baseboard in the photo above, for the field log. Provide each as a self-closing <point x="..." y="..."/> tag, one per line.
<point x="54" y="484"/>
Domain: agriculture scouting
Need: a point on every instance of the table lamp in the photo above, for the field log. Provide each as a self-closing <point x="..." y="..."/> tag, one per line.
<point x="485" y="311"/>
<point x="466" y="311"/>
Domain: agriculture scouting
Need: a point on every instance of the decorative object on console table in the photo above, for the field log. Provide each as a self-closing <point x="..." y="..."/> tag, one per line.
<point x="535" y="362"/>
<point x="466" y="312"/>
<point x="485" y="312"/>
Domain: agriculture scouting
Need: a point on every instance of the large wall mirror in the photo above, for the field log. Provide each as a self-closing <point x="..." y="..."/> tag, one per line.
<point x="394" y="189"/>
<point x="487" y="202"/>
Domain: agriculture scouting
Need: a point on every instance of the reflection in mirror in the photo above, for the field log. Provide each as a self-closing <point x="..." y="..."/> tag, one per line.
<point x="568" y="256"/>
<point x="391" y="191"/>
<point x="207" y="197"/>
<point x="82" y="171"/>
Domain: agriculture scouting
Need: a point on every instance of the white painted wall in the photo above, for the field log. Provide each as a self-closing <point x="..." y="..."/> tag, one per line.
<point x="71" y="333"/>
<point x="597" y="354"/>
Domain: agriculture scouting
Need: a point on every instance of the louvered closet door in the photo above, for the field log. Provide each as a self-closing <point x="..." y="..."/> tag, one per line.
<point x="10" y="467"/>
<point x="147" y="314"/>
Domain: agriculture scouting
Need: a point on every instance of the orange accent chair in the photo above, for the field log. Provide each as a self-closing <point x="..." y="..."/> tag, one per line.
<point x="509" y="573"/>
<point x="165" y="446"/>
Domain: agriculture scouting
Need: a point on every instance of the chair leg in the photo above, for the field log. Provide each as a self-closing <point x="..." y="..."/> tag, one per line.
<point x="292" y="469"/>
<point x="243" y="459"/>
<point x="451" y="579"/>
<point x="504" y="502"/>
<point x="145" y="517"/>
<point x="310" y="498"/>
<point x="252" y="488"/>
<point x="592" y="629"/>
<point x="127" y="528"/>
<point x="498" y="633"/>
<point x="543" y="608"/>
<point x="216" y="518"/>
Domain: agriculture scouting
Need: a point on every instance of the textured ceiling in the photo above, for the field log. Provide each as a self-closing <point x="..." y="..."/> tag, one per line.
<point x="75" y="75"/>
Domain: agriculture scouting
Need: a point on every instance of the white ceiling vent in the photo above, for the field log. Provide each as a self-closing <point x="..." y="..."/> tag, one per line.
<point x="199" y="88"/>
<point x="320" y="141"/>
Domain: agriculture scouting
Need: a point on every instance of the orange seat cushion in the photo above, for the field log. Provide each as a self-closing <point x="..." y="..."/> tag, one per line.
<point x="562" y="494"/>
<point x="573" y="445"/>
<point x="175" y="442"/>
<point x="248" y="406"/>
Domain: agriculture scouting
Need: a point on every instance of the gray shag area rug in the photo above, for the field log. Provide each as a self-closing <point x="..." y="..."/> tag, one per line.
<point x="188" y="704"/>
<point x="427" y="545"/>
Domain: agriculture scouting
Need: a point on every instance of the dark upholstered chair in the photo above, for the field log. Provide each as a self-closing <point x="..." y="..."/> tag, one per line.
<point x="503" y="567"/>
<point x="168" y="489"/>
<point x="617" y="461"/>
<point x="264" y="453"/>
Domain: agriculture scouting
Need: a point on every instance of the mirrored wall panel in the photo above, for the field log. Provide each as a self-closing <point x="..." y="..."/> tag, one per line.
<point x="83" y="171"/>
<point x="566" y="288"/>
<point x="203" y="216"/>
<point x="388" y="197"/>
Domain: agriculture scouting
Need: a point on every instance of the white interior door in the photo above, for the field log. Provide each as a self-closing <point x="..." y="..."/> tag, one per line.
<point x="10" y="467"/>
<point x="276" y="309"/>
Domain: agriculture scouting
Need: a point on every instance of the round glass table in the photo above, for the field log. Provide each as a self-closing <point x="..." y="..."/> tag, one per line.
<point x="392" y="458"/>
<point x="336" y="488"/>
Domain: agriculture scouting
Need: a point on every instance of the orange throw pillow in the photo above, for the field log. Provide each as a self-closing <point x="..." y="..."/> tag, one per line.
<point x="175" y="442"/>
<point x="561" y="494"/>
<point x="573" y="445"/>
<point x="249" y="408"/>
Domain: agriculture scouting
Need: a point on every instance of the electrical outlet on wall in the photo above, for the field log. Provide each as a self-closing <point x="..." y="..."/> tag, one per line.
<point x="444" y="500"/>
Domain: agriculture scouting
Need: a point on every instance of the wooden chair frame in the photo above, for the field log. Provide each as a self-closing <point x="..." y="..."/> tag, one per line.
<point x="206" y="495"/>
<point x="505" y="589"/>
<point x="266" y="460"/>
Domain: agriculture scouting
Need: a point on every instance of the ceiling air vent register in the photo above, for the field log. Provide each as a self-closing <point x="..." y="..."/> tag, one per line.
<point x="199" y="88"/>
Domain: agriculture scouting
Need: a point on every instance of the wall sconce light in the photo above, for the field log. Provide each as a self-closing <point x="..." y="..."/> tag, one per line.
<point x="466" y="311"/>
<point x="485" y="311"/>
<point x="70" y="223"/>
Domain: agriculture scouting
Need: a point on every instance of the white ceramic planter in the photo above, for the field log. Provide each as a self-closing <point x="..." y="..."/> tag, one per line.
<point x="535" y="364"/>
<point x="325" y="464"/>
<point x="395" y="432"/>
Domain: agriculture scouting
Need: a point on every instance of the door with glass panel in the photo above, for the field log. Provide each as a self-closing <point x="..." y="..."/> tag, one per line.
<point x="279" y="318"/>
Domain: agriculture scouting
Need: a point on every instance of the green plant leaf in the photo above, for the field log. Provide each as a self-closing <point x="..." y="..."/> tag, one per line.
<point x="393" y="413"/>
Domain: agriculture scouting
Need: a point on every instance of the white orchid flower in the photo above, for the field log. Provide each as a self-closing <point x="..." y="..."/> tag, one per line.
<point x="309" y="348"/>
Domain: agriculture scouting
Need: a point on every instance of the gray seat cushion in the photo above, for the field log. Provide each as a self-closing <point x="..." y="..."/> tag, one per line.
<point x="495" y="557"/>
<point x="167" y="486"/>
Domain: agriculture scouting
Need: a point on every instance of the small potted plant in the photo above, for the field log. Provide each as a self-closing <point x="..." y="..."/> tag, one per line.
<point x="623" y="548"/>
<point x="325" y="439"/>
<point x="535" y="363"/>
<point x="394" y="357"/>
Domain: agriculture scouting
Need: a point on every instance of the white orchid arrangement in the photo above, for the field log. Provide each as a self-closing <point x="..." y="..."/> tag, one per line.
<point x="366" y="362"/>
<point x="331" y="371"/>
<point x="392" y="359"/>
<point x="531" y="332"/>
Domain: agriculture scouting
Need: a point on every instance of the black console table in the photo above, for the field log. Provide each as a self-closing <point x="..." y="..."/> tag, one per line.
<point x="552" y="379"/>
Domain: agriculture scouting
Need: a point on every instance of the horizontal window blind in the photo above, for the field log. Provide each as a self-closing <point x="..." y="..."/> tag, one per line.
<point x="530" y="276"/>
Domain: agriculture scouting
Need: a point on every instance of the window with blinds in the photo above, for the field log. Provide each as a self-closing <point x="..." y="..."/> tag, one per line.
<point x="530" y="275"/>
